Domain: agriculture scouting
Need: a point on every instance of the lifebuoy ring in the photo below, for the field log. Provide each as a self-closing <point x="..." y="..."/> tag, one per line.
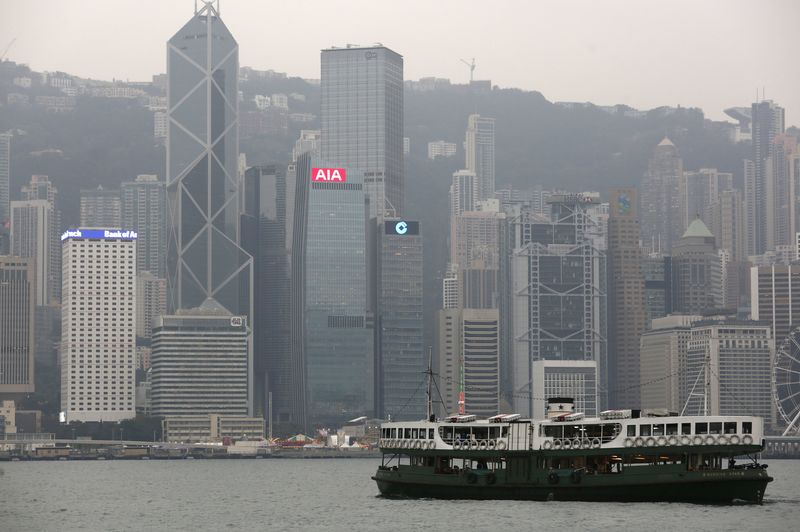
<point x="491" y="444"/>
<point x="735" y="439"/>
<point x="501" y="445"/>
<point x="629" y="443"/>
<point x="747" y="440"/>
<point x="417" y="444"/>
<point x="557" y="443"/>
<point x="404" y="444"/>
<point x="661" y="441"/>
<point x="698" y="440"/>
<point x="473" y="445"/>
<point x="686" y="440"/>
<point x="458" y="445"/>
<point x="711" y="439"/>
<point x="650" y="441"/>
<point x="567" y="444"/>
<point x="722" y="440"/>
<point x="431" y="444"/>
<point x="547" y="445"/>
<point x="672" y="440"/>
<point x="586" y="444"/>
<point x="639" y="441"/>
<point x="482" y="445"/>
<point x="596" y="443"/>
<point x="576" y="443"/>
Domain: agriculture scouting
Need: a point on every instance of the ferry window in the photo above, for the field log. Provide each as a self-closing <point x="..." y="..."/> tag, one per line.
<point x="686" y="428"/>
<point x="747" y="427"/>
<point x="480" y="433"/>
<point x="716" y="428"/>
<point x="494" y="433"/>
<point x="407" y="434"/>
<point x="730" y="427"/>
<point x="394" y="433"/>
<point x="631" y="430"/>
<point x="644" y="430"/>
<point x="414" y="434"/>
<point x="701" y="428"/>
<point x="430" y="434"/>
<point x="658" y="430"/>
<point x="672" y="428"/>
<point x="552" y="431"/>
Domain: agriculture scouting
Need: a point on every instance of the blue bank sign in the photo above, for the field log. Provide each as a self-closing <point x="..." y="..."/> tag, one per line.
<point x="98" y="233"/>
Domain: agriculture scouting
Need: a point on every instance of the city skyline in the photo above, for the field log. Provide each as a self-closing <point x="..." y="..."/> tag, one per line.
<point x="615" y="53"/>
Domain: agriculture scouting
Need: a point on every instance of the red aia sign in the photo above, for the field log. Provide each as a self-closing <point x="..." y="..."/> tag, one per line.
<point x="329" y="175"/>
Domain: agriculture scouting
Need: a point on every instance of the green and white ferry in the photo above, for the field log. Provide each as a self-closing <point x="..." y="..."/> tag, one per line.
<point x="622" y="455"/>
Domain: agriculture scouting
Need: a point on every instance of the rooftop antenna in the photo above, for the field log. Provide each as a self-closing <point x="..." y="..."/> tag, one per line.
<point x="471" y="68"/>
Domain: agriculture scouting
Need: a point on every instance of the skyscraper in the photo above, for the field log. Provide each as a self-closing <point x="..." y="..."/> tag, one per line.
<point x="401" y="359"/>
<point x="151" y="301"/>
<point x="144" y="210"/>
<point x="768" y="122"/>
<point x="266" y="223"/>
<point x="703" y="188"/>
<point x="696" y="270"/>
<point x="41" y="188"/>
<point x="362" y="120"/>
<point x="339" y="343"/>
<point x="558" y="293"/>
<point x="204" y="259"/>
<point x="480" y="153"/>
<point x="775" y="297"/>
<point x="100" y="207"/>
<point x="17" y="330"/>
<point x="5" y="178"/>
<point x="32" y="237"/>
<point x="661" y="197"/>
<point x="98" y="325"/>
<point x="626" y="298"/>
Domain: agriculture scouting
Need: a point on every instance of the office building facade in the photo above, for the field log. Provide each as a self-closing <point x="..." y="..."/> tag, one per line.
<point x="100" y="208"/>
<point x="98" y="325"/>
<point x="200" y="363"/>
<point x="768" y="121"/>
<point x="362" y="120"/>
<point x="775" y="297"/>
<point x="697" y="271"/>
<point x="338" y="336"/>
<point x="31" y="237"/>
<point x="5" y="178"/>
<point x="400" y="356"/>
<point x="17" y="325"/>
<point x="151" y="301"/>
<point x="144" y="210"/>
<point x="626" y="298"/>
<point x="661" y="199"/>
<point x="558" y="293"/>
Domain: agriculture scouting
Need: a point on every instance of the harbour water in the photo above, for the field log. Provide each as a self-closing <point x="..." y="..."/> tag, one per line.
<point x="325" y="494"/>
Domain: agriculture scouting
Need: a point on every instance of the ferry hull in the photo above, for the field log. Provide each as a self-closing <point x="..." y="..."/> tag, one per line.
<point x="697" y="489"/>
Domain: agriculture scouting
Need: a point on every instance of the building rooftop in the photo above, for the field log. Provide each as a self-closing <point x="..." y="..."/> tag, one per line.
<point x="666" y="142"/>
<point x="697" y="228"/>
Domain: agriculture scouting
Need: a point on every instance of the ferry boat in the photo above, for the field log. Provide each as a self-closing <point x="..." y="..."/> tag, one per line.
<point x="622" y="455"/>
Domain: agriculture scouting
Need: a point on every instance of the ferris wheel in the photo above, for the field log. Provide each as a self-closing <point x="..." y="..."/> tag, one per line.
<point x="786" y="381"/>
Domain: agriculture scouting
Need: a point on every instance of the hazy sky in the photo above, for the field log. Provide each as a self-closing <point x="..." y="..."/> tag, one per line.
<point x="711" y="54"/>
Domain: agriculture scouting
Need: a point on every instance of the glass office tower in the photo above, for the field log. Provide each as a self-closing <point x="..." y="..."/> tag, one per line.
<point x="203" y="252"/>
<point x="362" y="120"/>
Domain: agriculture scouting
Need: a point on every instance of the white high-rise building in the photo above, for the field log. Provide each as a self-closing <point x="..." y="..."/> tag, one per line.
<point x="479" y="146"/>
<point x="98" y="325"/>
<point x="441" y="148"/>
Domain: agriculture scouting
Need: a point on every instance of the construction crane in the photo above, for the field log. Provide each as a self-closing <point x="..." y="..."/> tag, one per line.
<point x="3" y="55"/>
<point x="471" y="68"/>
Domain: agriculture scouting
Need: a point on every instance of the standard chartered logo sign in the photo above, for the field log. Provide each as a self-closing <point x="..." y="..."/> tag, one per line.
<point x="401" y="228"/>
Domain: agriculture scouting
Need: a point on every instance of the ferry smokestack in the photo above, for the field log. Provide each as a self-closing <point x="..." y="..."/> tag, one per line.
<point x="560" y="406"/>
